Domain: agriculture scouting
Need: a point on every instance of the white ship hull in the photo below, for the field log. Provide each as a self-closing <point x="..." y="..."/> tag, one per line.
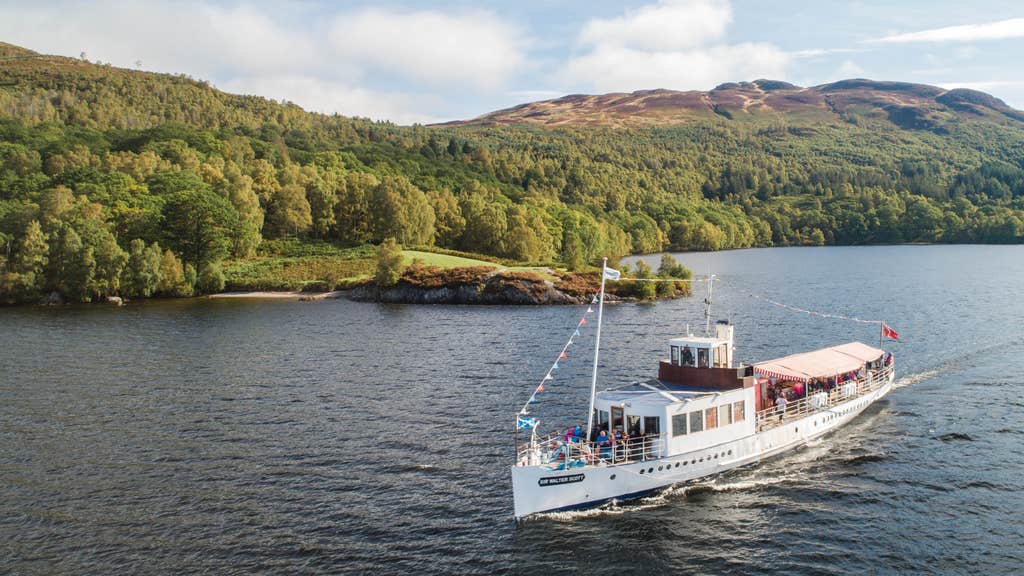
<point x="539" y="489"/>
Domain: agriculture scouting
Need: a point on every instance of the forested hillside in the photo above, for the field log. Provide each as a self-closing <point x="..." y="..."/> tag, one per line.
<point x="115" y="181"/>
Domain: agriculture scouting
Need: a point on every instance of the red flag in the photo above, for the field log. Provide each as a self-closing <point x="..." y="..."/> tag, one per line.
<point x="563" y="355"/>
<point x="583" y="321"/>
<point x="889" y="333"/>
<point x="540" y="388"/>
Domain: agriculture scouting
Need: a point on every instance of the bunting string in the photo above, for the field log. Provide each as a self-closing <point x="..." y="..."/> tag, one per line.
<point x="813" y="312"/>
<point x="563" y="354"/>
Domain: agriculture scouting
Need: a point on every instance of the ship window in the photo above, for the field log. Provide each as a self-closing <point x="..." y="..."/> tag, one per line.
<point x="652" y="425"/>
<point x="702" y="357"/>
<point x="711" y="418"/>
<point x="679" y="425"/>
<point x="725" y="414"/>
<point x="675" y="355"/>
<point x="721" y="356"/>
<point x="642" y="470"/>
<point x="738" y="411"/>
<point x="687" y="356"/>
<point x="602" y="419"/>
<point x="612" y="477"/>
<point x="696" y="421"/>
<point x="633" y="425"/>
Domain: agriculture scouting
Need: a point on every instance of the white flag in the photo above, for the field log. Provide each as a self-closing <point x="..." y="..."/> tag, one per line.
<point x="611" y="274"/>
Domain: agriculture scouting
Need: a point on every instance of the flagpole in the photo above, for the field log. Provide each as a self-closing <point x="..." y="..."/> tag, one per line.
<point x="597" y="350"/>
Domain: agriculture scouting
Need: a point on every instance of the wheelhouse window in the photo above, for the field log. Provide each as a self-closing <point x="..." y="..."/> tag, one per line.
<point x="702" y="357"/>
<point x="675" y="355"/>
<point x="602" y="419"/>
<point x="687" y="356"/>
<point x="711" y="418"/>
<point x="725" y="415"/>
<point x="738" y="414"/>
<point x="679" y="425"/>
<point x="696" y="421"/>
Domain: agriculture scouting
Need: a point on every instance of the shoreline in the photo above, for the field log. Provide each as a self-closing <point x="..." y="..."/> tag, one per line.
<point x="279" y="295"/>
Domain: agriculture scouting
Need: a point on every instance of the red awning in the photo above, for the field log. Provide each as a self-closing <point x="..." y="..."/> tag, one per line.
<point x="823" y="363"/>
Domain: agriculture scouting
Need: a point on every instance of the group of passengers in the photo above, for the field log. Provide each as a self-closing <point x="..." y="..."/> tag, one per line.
<point x="616" y="445"/>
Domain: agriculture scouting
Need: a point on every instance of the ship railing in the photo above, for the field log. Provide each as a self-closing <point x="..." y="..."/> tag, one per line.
<point x="553" y="450"/>
<point x="820" y="401"/>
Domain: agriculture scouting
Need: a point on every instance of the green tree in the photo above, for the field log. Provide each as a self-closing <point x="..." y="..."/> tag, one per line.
<point x="110" y="263"/>
<point x="172" y="277"/>
<point x="142" y="274"/>
<point x="645" y="290"/>
<point x="288" y="212"/>
<point x="211" y="279"/>
<point x="200" y="225"/>
<point x="390" y="263"/>
<point x="31" y="256"/>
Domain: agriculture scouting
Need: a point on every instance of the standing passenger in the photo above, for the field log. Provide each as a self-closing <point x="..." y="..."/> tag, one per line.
<point x="780" y="404"/>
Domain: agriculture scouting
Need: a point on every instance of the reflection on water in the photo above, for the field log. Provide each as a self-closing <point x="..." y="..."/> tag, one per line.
<point x="336" y="437"/>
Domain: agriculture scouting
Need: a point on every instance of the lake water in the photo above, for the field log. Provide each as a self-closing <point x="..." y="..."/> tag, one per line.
<point x="272" y="437"/>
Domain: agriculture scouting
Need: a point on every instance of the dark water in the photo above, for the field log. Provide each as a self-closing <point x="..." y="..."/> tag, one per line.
<point x="228" y="437"/>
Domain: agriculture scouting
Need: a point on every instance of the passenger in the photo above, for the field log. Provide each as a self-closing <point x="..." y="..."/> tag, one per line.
<point x="780" y="405"/>
<point x="604" y="445"/>
<point x="577" y="433"/>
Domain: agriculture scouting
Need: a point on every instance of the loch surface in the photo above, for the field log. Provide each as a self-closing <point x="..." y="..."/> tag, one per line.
<point x="335" y="437"/>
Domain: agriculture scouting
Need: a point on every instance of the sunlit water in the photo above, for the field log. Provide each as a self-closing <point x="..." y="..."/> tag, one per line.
<point x="231" y="437"/>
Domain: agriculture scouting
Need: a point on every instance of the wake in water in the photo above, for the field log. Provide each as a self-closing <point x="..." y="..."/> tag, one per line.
<point x="669" y="493"/>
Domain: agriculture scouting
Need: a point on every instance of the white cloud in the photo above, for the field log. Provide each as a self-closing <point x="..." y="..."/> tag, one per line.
<point x="849" y="69"/>
<point x="328" y="97"/>
<point x="668" y="25"/>
<point x="1000" y="30"/>
<point x="816" y="52"/>
<point x="983" y="86"/>
<point x="676" y="45"/>
<point x="353" y="63"/>
<point x="614" y="69"/>
<point x="474" y="48"/>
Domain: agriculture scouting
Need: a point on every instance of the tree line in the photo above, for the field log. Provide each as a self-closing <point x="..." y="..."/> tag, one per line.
<point x="116" y="182"/>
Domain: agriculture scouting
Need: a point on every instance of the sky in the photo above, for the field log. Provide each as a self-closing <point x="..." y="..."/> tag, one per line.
<point x="429" y="61"/>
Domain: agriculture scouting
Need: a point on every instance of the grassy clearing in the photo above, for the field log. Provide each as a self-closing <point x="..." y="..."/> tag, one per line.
<point x="444" y="260"/>
<point x="291" y="264"/>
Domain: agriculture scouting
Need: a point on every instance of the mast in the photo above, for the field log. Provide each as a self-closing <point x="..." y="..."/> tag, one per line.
<point x="707" y="306"/>
<point x="597" y="351"/>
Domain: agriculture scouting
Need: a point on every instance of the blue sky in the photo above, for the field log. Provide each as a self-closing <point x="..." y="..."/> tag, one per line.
<point x="434" y="61"/>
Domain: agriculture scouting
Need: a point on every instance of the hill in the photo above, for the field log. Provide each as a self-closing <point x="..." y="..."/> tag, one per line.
<point x="116" y="181"/>
<point x="911" y="106"/>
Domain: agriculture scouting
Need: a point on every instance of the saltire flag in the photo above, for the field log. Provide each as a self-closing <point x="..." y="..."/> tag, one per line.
<point x="525" y="423"/>
<point x="889" y="333"/>
<point x="611" y="274"/>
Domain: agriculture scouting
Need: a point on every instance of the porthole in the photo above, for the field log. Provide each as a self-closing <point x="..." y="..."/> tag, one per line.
<point x="701" y="458"/>
<point x="796" y="429"/>
<point x="651" y="469"/>
<point x="642" y="470"/>
<point x="730" y="452"/>
<point x="694" y="461"/>
<point x="677" y="464"/>
<point x="612" y="477"/>
<point x="660" y="468"/>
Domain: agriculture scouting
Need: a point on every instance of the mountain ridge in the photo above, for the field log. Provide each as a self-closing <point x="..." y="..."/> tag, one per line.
<point x="908" y="105"/>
